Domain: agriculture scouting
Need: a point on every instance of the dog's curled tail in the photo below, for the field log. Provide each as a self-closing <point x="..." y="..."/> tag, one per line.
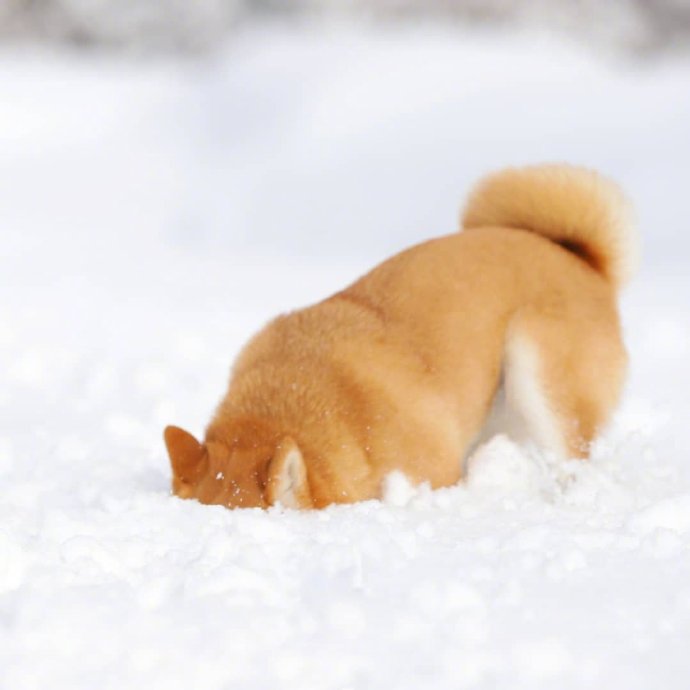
<point x="577" y="208"/>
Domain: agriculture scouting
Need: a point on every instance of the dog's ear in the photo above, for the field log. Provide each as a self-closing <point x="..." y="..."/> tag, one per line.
<point x="187" y="456"/>
<point x="287" y="477"/>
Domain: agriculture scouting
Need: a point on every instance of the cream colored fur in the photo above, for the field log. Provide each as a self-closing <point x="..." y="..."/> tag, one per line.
<point x="526" y="395"/>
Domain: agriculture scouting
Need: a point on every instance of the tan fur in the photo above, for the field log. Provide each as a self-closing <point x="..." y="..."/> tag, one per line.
<point x="399" y="371"/>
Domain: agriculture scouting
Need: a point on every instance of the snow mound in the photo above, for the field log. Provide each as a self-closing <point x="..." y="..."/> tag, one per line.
<point x="502" y="466"/>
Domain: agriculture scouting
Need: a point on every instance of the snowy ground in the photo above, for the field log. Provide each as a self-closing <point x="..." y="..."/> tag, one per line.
<point x="152" y="217"/>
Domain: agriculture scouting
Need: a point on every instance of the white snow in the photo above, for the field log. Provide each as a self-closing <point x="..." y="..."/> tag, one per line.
<point x="153" y="216"/>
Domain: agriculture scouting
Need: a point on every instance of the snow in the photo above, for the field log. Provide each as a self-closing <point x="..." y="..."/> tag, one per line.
<point x="153" y="216"/>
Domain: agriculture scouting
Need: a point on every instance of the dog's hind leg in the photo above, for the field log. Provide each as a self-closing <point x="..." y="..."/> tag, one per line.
<point x="559" y="384"/>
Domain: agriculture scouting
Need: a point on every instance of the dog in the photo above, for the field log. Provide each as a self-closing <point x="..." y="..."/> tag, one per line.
<point x="509" y="325"/>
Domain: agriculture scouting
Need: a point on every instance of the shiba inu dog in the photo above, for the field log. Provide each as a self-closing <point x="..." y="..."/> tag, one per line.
<point x="509" y="325"/>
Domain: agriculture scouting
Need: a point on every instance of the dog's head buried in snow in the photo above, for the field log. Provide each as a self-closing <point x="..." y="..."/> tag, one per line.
<point x="403" y="369"/>
<point x="252" y="469"/>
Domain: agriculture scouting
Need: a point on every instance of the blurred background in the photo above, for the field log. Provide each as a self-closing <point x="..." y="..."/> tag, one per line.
<point x="318" y="127"/>
<point x="637" y="26"/>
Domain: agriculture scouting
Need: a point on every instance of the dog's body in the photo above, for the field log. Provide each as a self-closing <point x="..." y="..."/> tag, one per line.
<point x="400" y="370"/>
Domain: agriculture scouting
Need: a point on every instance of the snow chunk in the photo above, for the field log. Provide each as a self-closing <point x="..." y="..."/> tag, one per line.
<point x="6" y="457"/>
<point x="397" y="489"/>
<point x="504" y="467"/>
<point x="542" y="659"/>
<point x="670" y="513"/>
<point x="12" y="564"/>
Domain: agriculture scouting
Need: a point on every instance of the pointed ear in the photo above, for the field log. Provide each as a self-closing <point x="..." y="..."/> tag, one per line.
<point x="187" y="455"/>
<point x="287" y="477"/>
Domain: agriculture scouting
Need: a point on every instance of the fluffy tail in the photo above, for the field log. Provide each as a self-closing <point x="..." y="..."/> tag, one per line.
<point x="577" y="208"/>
